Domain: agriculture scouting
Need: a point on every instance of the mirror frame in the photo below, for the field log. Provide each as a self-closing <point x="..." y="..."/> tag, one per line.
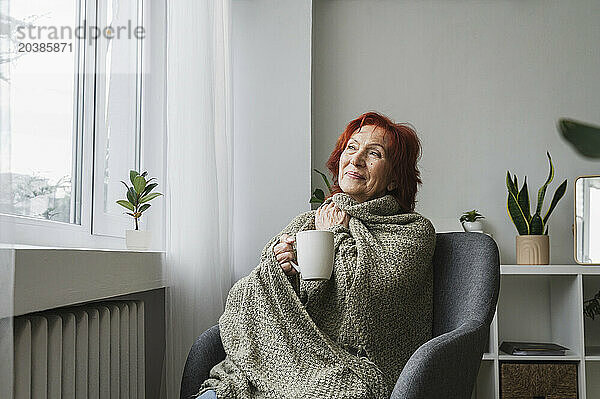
<point x="575" y="221"/>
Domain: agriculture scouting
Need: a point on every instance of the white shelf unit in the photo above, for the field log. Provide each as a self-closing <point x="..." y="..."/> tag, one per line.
<point x="544" y="304"/>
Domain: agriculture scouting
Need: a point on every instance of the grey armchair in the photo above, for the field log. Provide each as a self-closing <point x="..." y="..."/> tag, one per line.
<point x="466" y="284"/>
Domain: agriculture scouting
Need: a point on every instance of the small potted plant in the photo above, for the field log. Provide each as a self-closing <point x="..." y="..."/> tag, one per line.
<point x="318" y="196"/>
<point x="533" y="244"/>
<point x="471" y="221"/>
<point x="591" y="307"/>
<point x="138" y="196"/>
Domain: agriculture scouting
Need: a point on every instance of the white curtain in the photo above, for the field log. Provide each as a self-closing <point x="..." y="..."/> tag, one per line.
<point x="7" y="269"/>
<point x="199" y="155"/>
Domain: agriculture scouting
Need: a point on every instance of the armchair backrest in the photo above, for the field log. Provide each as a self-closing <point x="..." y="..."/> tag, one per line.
<point x="466" y="280"/>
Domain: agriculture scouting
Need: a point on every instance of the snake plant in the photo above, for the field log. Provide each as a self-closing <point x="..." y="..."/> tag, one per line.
<point x="518" y="204"/>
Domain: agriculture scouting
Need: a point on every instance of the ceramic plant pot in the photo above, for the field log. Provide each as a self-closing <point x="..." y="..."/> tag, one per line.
<point x="474" y="227"/>
<point x="138" y="239"/>
<point x="533" y="250"/>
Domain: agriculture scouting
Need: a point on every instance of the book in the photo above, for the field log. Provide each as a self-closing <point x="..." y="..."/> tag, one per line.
<point x="532" y="348"/>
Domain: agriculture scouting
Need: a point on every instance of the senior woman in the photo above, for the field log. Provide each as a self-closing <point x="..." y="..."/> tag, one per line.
<point x="349" y="336"/>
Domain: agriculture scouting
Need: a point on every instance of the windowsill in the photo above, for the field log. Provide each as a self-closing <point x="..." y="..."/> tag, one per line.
<point x="34" y="247"/>
<point x="52" y="277"/>
<point x="36" y="233"/>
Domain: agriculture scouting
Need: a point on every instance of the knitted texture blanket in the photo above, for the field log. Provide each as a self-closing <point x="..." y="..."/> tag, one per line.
<point x="346" y="337"/>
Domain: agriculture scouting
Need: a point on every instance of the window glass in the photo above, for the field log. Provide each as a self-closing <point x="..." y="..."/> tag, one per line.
<point x="118" y="107"/>
<point x="43" y="109"/>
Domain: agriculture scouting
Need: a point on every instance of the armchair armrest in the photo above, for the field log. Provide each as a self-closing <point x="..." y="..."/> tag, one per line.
<point x="205" y="353"/>
<point x="445" y="366"/>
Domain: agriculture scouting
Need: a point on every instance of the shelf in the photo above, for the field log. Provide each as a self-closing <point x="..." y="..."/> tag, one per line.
<point x="592" y="352"/>
<point x="550" y="269"/>
<point x="592" y="376"/>
<point x="541" y="308"/>
<point x="591" y="286"/>
<point x="565" y="358"/>
<point x="544" y="303"/>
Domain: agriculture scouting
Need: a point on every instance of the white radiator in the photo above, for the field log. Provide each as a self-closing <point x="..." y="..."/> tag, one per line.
<point x="92" y="351"/>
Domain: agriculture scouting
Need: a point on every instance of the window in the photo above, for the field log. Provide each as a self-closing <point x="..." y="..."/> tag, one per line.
<point x="75" y="103"/>
<point x="118" y="114"/>
<point x="44" y="113"/>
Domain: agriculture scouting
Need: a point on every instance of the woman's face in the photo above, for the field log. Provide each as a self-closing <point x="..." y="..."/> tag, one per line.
<point x="365" y="165"/>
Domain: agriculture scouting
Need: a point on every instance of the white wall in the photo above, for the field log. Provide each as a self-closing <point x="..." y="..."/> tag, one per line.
<point x="271" y="88"/>
<point x="484" y="83"/>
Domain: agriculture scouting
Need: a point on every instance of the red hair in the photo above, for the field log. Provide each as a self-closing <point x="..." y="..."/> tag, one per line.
<point x="405" y="151"/>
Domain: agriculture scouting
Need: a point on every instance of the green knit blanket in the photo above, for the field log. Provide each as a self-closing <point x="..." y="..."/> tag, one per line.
<point x="347" y="337"/>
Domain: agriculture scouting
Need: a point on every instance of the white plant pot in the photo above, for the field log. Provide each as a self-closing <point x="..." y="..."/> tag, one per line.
<point x="138" y="239"/>
<point x="474" y="227"/>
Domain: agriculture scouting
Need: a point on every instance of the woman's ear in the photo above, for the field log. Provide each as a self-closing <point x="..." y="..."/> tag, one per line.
<point x="392" y="186"/>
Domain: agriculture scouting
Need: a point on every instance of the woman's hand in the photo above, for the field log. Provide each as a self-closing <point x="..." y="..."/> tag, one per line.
<point x="284" y="252"/>
<point x="330" y="215"/>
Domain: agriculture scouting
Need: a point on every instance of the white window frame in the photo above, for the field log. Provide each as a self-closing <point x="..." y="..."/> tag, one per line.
<point x="103" y="223"/>
<point x="92" y="232"/>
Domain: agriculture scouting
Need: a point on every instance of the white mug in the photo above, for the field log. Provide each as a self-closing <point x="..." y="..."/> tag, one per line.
<point x="314" y="252"/>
